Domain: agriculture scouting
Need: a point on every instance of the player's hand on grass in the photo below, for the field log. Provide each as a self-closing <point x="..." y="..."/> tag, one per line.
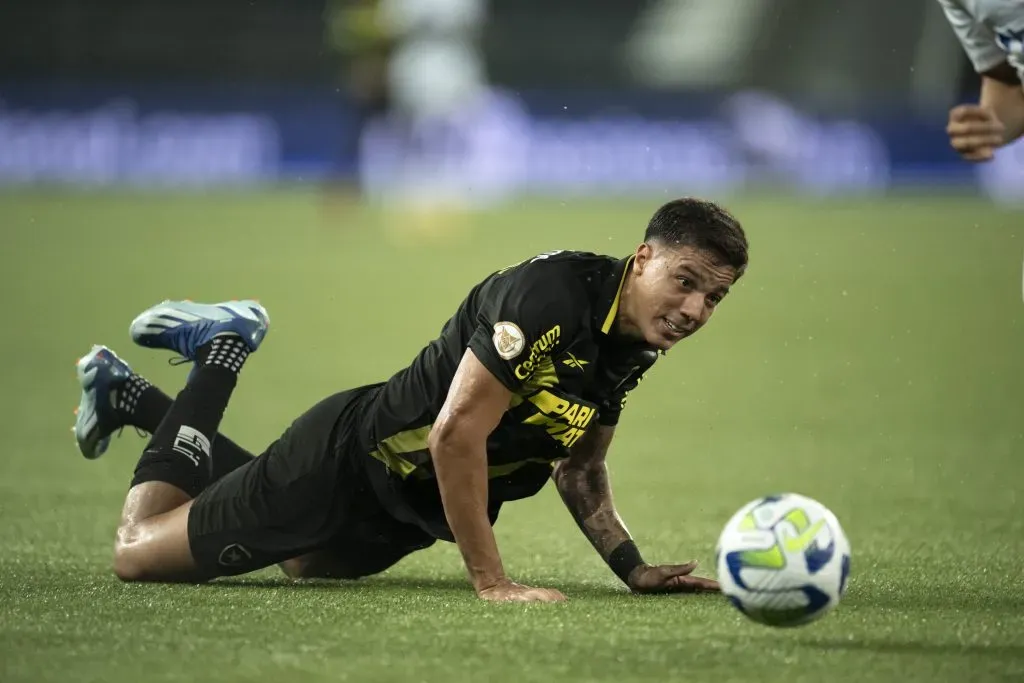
<point x="975" y="132"/>
<point x="669" y="578"/>
<point x="509" y="591"/>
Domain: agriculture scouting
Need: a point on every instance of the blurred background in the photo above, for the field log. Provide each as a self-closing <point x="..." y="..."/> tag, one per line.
<point x="480" y="101"/>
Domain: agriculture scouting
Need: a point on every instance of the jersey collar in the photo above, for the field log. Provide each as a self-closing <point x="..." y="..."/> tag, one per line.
<point x="611" y="292"/>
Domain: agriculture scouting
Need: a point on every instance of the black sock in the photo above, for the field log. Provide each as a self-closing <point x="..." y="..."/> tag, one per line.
<point x="179" y="453"/>
<point x="142" y="405"/>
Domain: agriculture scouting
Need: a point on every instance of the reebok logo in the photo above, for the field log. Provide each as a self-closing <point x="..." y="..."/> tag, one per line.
<point x="574" y="362"/>
<point x="192" y="444"/>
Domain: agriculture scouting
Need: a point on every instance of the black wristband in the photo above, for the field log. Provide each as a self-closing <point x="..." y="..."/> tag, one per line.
<point x="624" y="559"/>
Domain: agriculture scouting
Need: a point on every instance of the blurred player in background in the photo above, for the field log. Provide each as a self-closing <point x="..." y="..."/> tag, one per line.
<point x="425" y="159"/>
<point x="361" y="42"/>
<point x="992" y="34"/>
<point x="423" y="140"/>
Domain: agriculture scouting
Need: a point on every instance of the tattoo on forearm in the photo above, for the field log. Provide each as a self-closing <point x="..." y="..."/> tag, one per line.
<point x="587" y="494"/>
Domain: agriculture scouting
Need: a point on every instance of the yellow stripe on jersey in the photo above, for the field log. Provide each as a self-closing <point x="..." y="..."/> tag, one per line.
<point x="390" y="450"/>
<point x="610" y="318"/>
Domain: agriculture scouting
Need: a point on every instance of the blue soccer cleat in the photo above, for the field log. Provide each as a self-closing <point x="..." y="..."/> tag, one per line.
<point x="100" y="372"/>
<point x="183" y="326"/>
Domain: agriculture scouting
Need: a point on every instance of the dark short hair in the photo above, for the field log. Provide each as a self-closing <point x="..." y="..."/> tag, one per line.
<point x="703" y="225"/>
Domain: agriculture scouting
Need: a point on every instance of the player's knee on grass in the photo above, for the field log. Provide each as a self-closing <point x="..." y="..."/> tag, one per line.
<point x="129" y="558"/>
<point x="155" y="549"/>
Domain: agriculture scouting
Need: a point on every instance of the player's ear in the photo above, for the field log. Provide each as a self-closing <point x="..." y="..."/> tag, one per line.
<point x="644" y="252"/>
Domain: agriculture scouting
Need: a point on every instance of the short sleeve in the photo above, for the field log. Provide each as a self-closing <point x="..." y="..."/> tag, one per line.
<point x="619" y="373"/>
<point x="524" y="316"/>
<point x="978" y="40"/>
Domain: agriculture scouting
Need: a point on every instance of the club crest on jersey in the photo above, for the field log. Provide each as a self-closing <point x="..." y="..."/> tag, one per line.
<point x="508" y="340"/>
<point x="234" y="555"/>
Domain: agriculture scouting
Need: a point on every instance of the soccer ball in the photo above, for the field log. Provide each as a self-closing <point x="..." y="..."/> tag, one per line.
<point x="783" y="560"/>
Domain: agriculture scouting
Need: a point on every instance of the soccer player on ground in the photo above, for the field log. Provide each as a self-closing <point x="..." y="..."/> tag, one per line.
<point x="525" y="383"/>
<point x="992" y="34"/>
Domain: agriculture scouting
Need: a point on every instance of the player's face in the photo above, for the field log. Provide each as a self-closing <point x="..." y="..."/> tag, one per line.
<point x="674" y="292"/>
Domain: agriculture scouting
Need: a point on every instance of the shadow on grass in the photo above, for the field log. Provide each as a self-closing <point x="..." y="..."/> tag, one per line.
<point x="1001" y="651"/>
<point x="977" y="598"/>
<point x="437" y="585"/>
<point x="384" y="583"/>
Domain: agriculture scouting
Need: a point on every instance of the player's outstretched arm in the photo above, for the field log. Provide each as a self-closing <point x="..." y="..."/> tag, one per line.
<point x="582" y="481"/>
<point x="458" y="447"/>
<point x="976" y="131"/>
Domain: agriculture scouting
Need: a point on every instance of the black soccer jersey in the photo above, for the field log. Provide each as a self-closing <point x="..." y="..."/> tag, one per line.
<point x="544" y="328"/>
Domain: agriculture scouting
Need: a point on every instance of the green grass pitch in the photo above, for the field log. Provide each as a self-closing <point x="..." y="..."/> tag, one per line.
<point x="872" y="358"/>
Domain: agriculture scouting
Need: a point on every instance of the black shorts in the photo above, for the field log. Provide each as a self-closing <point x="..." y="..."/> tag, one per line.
<point x="308" y="492"/>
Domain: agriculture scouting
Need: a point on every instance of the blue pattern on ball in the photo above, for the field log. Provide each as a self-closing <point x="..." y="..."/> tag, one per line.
<point x="818" y="557"/>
